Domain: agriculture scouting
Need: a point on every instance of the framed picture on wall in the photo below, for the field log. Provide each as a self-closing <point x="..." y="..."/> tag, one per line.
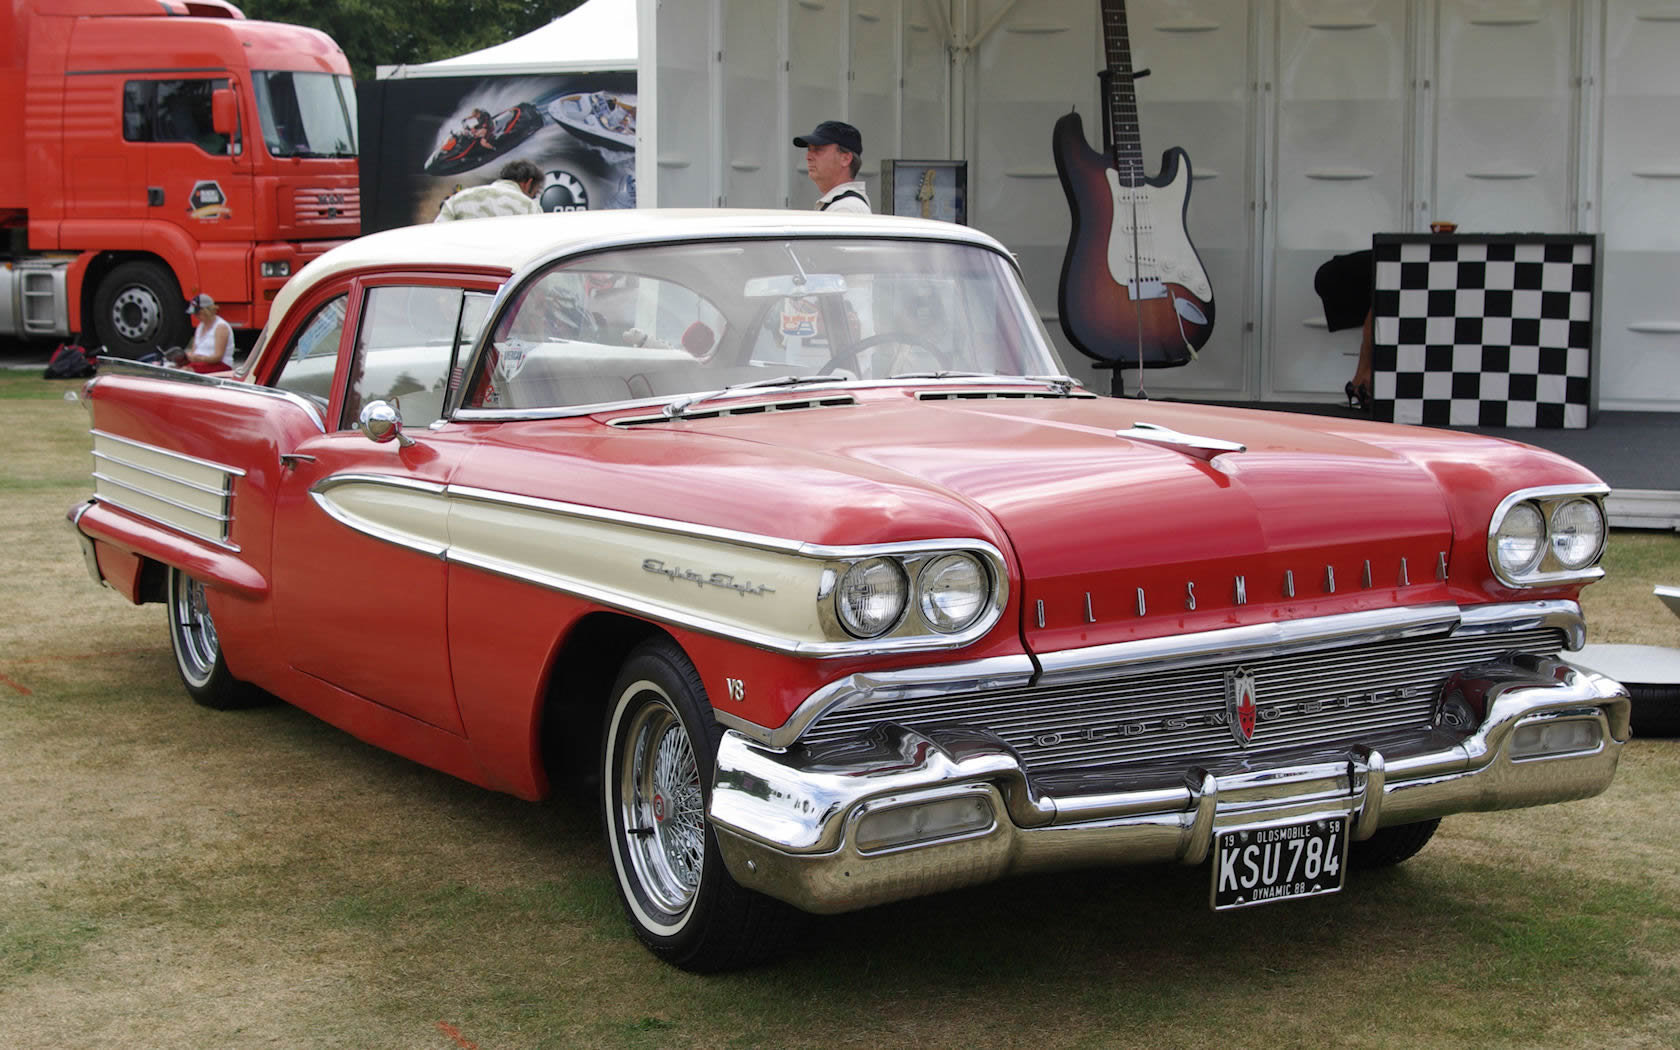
<point x="927" y="189"/>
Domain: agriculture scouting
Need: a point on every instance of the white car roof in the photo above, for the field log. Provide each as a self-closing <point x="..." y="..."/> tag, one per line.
<point x="515" y="242"/>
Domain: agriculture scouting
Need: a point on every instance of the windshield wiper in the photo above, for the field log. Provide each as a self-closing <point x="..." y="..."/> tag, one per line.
<point x="943" y="374"/>
<point x="677" y="408"/>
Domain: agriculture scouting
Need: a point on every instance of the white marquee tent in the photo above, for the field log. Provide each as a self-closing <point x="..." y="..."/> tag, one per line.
<point x="597" y="35"/>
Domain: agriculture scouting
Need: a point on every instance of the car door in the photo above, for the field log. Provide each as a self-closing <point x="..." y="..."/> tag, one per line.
<point x="359" y="578"/>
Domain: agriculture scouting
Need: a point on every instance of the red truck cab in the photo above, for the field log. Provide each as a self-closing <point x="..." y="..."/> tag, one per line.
<point x="170" y="147"/>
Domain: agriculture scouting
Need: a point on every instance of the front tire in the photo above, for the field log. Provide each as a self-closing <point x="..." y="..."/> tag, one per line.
<point x="658" y="752"/>
<point x="198" y="649"/>
<point x="1390" y="846"/>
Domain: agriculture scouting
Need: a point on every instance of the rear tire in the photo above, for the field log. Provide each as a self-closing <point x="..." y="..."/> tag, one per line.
<point x="198" y="649"/>
<point x="139" y="308"/>
<point x="1390" y="846"/>
<point x="658" y="752"/>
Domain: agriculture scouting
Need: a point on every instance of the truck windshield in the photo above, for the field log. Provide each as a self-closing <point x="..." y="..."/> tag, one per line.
<point x="307" y="114"/>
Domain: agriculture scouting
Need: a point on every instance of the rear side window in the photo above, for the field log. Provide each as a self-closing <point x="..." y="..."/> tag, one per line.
<point x="312" y="356"/>
<point x="174" y="111"/>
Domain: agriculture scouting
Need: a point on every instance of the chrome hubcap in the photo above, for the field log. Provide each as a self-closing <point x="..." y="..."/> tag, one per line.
<point x="135" y="313"/>
<point x="661" y="807"/>
<point x="196" y="646"/>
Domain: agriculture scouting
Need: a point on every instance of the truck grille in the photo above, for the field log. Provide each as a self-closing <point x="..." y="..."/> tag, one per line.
<point x="319" y="206"/>
<point x="1307" y="702"/>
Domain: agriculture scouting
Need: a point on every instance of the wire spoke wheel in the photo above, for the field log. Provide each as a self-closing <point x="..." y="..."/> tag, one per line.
<point x="662" y="809"/>
<point x="192" y="630"/>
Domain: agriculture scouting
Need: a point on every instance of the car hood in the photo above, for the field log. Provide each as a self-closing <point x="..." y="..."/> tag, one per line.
<point x="1122" y="536"/>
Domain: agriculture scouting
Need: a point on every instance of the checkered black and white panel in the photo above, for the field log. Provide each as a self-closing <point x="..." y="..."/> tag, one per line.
<point x="1495" y="333"/>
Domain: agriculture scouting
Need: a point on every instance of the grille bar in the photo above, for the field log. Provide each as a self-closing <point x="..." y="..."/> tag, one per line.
<point x="1308" y="701"/>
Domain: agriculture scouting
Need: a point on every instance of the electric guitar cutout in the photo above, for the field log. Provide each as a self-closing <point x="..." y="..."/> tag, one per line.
<point x="1133" y="290"/>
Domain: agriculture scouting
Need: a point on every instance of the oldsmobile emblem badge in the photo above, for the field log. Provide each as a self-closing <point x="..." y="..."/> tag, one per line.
<point x="1241" y="710"/>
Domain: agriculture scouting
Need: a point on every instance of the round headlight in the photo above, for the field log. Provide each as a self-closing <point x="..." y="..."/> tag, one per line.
<point x="1521" y="539"/>
<point x="954" y="589"/>
<point x="871" y="597"/>
<point x="1577" y="533"/>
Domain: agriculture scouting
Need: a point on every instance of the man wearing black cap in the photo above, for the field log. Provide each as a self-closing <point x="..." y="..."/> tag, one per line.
<point x="833" y="154"/>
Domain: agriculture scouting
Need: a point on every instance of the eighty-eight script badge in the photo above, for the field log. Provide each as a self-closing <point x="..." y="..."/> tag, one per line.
<point x="1240" y="705"/>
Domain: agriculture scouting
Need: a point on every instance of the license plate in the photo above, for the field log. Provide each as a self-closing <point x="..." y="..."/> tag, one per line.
<point x="1273" y="862"/>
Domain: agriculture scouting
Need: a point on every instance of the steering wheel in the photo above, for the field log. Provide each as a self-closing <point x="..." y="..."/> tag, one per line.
<point x="908" y="339"/>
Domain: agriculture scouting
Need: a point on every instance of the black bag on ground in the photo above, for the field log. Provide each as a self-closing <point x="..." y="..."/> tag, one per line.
<point x="69" y="361"/>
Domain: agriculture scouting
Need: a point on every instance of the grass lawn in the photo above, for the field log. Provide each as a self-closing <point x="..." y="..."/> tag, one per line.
<point x="176" y="877"/>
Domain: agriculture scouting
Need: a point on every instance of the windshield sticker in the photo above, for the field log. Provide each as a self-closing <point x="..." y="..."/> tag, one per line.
<point x="799" y="317"/>
<point x="207" y="202"/>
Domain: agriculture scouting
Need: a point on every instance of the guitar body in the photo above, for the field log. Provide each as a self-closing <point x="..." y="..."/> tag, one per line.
<point x="1133" y="289"/>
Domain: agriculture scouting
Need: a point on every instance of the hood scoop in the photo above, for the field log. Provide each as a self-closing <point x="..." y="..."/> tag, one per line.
<point x="1195" y="446"/>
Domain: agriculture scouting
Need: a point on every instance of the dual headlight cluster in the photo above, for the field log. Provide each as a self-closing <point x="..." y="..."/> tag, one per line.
<point x="1548" y="536"/>
<point x="914" y="593"/>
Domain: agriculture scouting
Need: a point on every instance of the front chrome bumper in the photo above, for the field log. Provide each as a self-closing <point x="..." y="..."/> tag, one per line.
<point x="787" y="820"/>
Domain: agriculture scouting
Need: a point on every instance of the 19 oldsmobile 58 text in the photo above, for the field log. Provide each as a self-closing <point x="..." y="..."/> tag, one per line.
<point x="789" y="530"/>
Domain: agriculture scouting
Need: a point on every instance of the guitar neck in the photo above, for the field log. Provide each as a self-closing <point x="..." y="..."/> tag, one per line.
<point x="1127" y="142"/>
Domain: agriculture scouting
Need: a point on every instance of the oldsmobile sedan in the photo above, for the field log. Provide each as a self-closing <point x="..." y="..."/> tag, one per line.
<point x="790" y="532"/>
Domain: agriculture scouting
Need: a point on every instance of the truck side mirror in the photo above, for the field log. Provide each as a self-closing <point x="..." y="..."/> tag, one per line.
<point x="224" y="112"/>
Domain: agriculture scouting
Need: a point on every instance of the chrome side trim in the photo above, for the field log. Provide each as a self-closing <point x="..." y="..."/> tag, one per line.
<point x="206" y="489"/>
<point x="318" y="492"/>
<point x="220" y="544"/>
<point x="620" y="517"/>
<point x="191" y="495"/>
<point x="220" y="520"/>
<point x="119" y="366"/>
<point x="168" y="453"/>
<point x="653" y="608"/>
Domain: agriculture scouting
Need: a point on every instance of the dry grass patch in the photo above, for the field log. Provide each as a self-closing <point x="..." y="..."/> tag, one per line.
<point x="177" y="877"/>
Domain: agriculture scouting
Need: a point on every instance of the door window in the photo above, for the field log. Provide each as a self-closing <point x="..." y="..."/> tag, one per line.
<point x="175" y="111"/>
<point x="406" y="350"/>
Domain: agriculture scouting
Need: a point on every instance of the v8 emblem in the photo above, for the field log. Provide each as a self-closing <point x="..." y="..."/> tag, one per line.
<point x="736" y="689"/>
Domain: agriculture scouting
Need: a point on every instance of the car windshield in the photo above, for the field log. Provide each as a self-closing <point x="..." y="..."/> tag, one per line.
<point x="307" y="114"/>
<point x="678" y="321"/>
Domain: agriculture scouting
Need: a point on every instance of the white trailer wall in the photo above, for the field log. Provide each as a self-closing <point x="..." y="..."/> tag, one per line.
<point x="1310" y="124"/>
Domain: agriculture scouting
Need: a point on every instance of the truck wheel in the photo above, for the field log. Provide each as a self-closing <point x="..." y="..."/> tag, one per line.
<point x="198" y="652"/>
<point x="139" y="309"/>
<point x="659" y="747"/>
<point x="1390" y="846"/>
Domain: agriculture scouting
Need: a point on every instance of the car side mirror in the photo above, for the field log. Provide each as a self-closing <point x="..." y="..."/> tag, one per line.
<point x="224" y="112"/>
<point x="381" y="421"/>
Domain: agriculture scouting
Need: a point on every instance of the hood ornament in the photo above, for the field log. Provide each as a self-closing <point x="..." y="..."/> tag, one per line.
<point x="1202" y="448"/>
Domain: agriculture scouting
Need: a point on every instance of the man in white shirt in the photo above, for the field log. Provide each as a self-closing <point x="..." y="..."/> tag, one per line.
<point x="833" y="154"/>
<point x="513" y="193"/>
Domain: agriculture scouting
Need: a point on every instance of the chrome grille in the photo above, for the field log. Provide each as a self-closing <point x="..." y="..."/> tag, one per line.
<point x="321" y="205"/>
<point x="1307" y="701"/>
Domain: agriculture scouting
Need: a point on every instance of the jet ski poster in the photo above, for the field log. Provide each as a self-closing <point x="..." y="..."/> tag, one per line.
<point x="432" y="136"/>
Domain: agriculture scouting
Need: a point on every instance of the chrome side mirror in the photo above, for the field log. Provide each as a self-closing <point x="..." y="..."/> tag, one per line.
<point x="381" y="421"/>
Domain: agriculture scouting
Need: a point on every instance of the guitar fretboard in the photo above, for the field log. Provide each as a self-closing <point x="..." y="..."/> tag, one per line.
<point x="1122" y="99"/>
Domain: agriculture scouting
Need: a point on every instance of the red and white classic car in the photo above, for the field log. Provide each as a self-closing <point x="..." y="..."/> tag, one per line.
<point x="788" y="529"/>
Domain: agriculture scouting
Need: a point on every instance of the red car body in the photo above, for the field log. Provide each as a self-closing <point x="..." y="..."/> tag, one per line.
<point x="468" y="594"/>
